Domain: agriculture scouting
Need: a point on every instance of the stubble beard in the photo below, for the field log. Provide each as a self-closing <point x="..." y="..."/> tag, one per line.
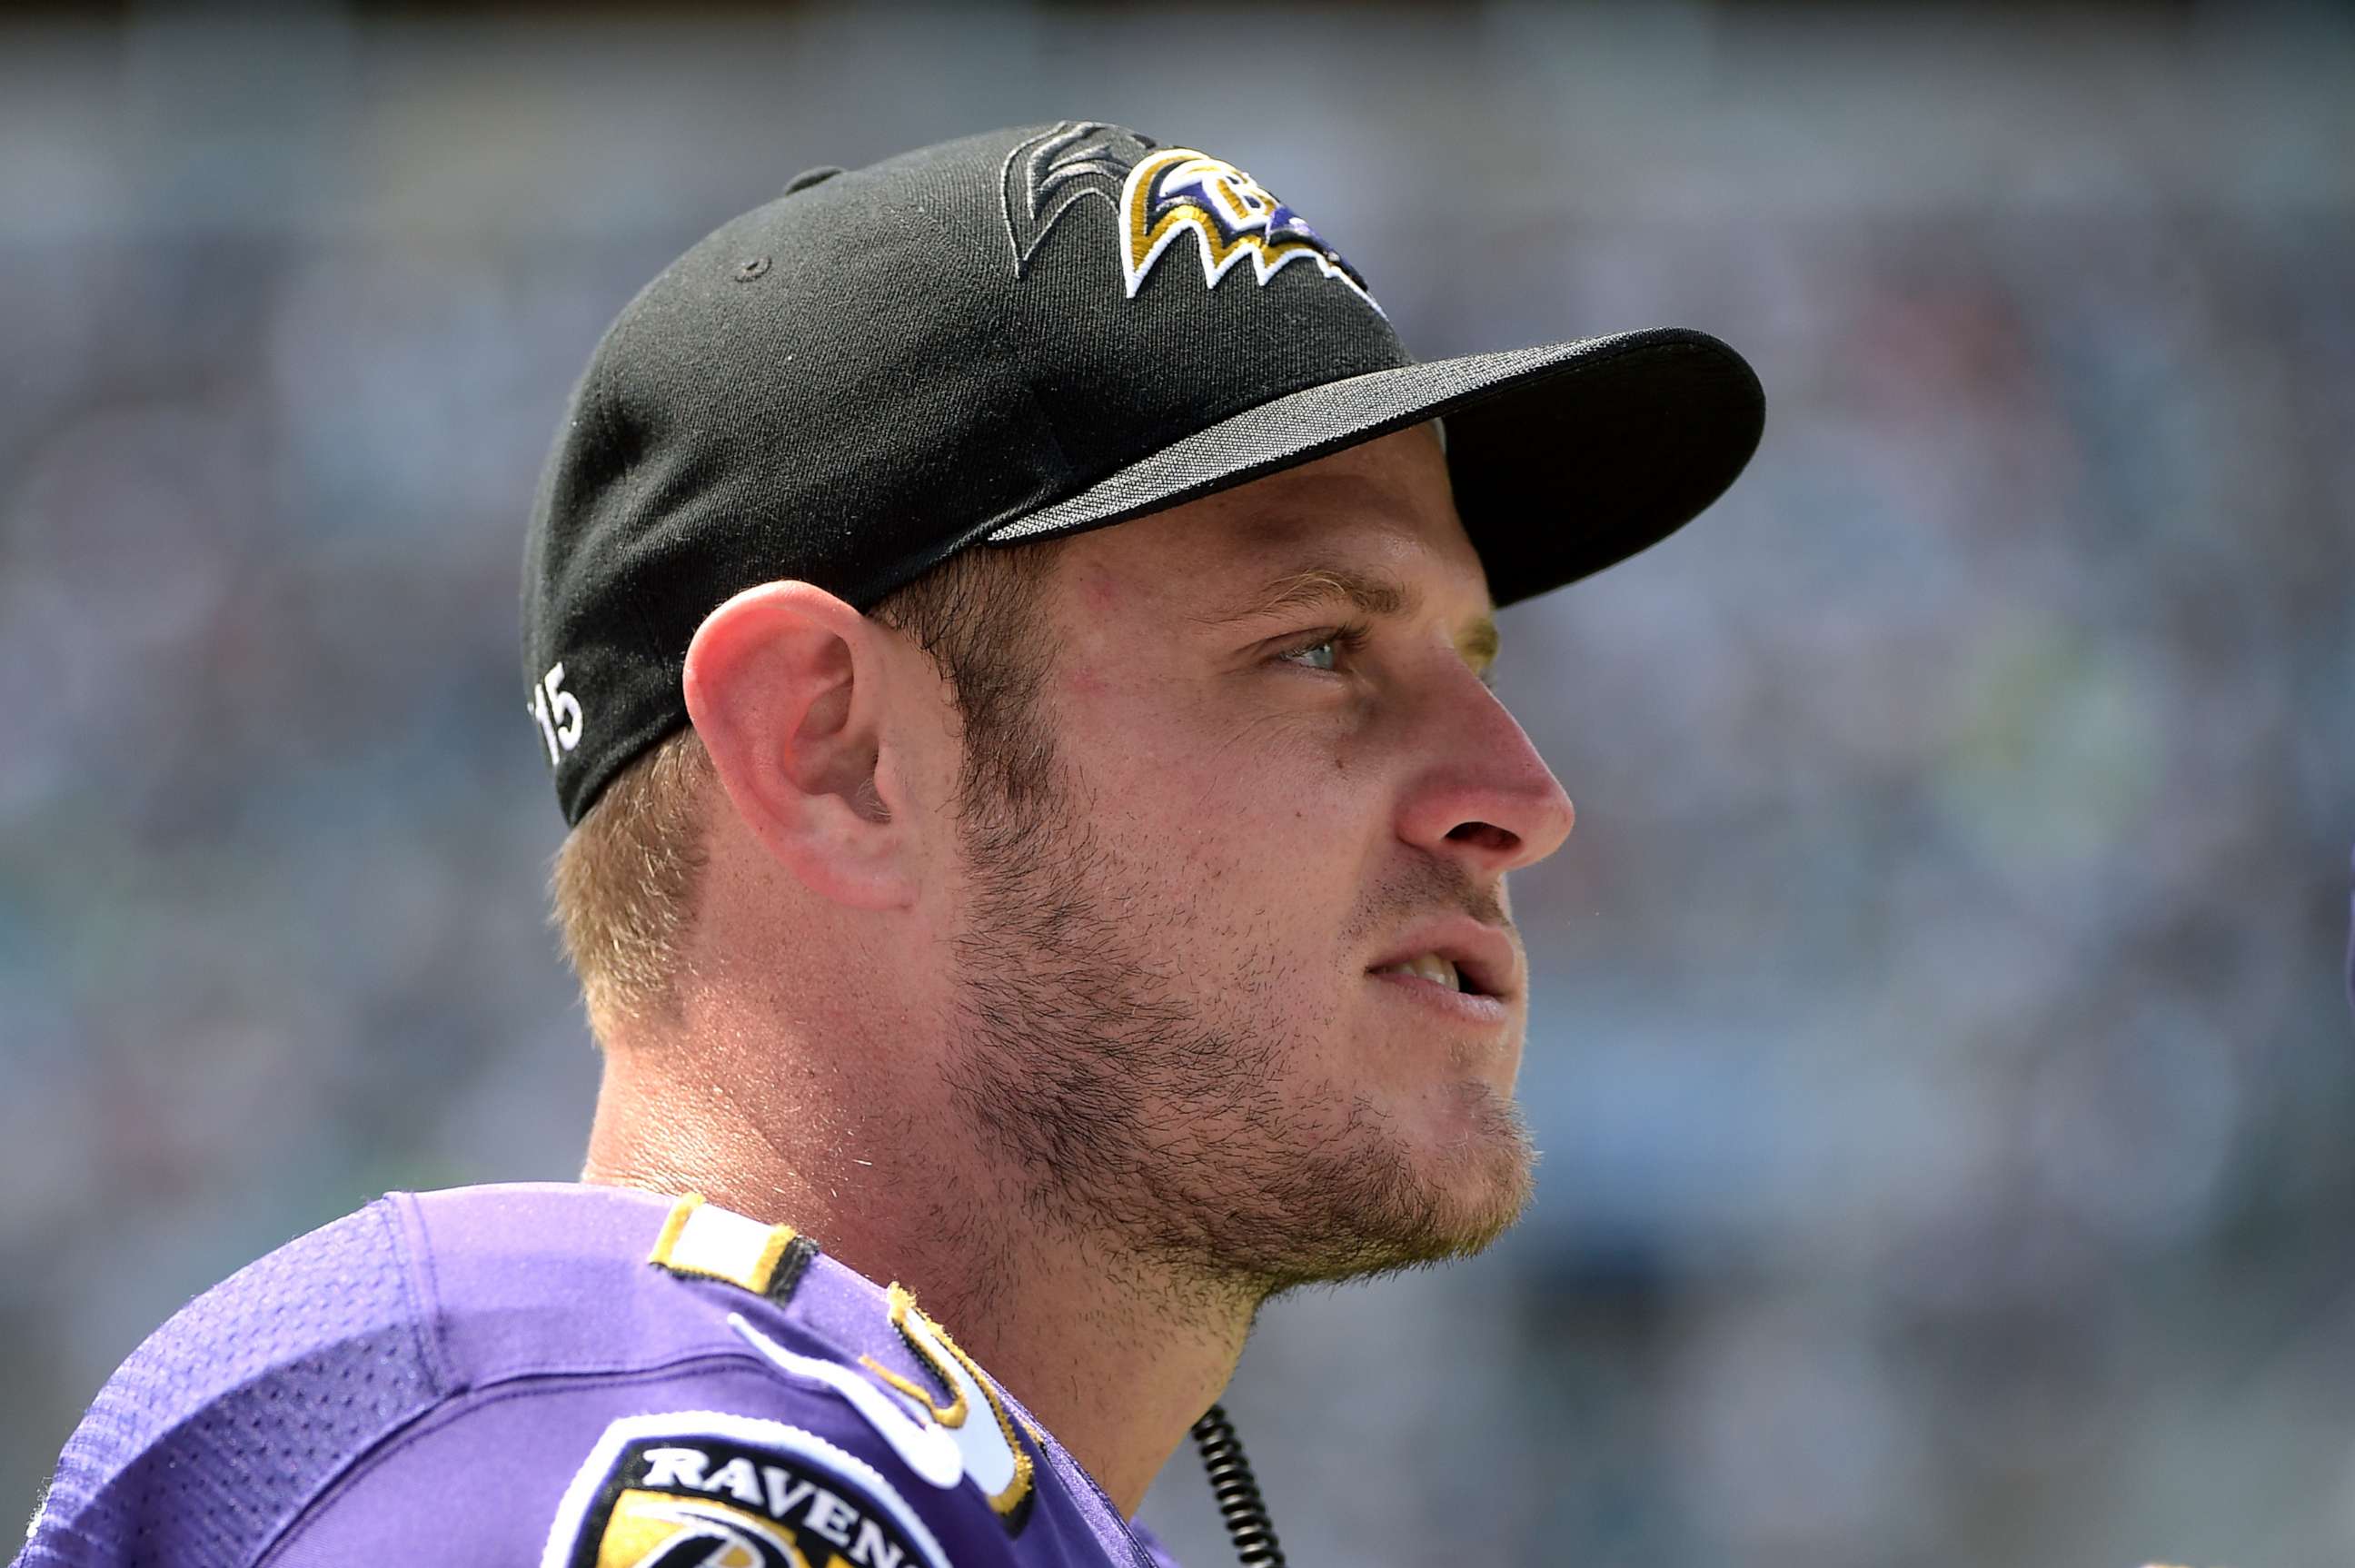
<point x="1133" y="1118"/>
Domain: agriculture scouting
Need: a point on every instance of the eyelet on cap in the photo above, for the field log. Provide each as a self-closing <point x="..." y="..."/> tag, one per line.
<point x="809" y="178"/>
<point x="751" y="267"/>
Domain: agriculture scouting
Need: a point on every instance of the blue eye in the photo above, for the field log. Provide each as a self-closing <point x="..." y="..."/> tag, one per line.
<point x="1327" y="651"/>
<point x="1317" y="655"/>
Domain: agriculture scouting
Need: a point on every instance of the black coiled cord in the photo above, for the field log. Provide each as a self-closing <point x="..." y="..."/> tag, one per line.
<point x="1233" y="1484"/>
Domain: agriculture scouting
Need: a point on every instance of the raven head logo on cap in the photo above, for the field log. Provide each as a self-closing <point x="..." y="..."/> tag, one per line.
<point x="1160" y="195"/>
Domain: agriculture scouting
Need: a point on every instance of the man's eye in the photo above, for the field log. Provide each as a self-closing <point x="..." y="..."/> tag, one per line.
<point x="1327" y="651"/>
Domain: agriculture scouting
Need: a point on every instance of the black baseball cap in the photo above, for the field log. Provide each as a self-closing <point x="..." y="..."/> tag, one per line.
<point x="1025" y="334"/>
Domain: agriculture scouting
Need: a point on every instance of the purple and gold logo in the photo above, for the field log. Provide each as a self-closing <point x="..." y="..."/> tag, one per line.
<point x="701" y="1489"/>
<point x="1178" y="191"/>
<point x="1161" y="196"/>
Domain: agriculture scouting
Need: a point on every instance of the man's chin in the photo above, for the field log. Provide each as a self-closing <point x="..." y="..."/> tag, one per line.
<point x="1484" y="1188"/>
<point x="1376" y="1211"/>
<point x="1481" y="1178"/>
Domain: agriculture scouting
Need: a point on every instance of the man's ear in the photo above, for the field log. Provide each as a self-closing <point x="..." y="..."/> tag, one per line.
<point x="786" y="685"/>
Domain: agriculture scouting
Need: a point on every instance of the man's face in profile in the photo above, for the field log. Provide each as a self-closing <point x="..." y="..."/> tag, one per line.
<point x="1276" y="773"/>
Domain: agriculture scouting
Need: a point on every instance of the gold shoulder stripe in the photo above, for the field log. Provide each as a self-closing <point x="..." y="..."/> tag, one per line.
<point x="951" y="1414"/>
<point x="988" y="1456"/>
<point x="710" y="1243"/>
<point x="1006" y="1501"/>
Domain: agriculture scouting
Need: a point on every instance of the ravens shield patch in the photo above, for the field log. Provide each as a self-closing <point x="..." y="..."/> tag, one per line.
<point x="703" y="1490"/>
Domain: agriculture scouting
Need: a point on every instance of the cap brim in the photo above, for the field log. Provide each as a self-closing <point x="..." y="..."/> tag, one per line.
<point x="1565" y="458"/>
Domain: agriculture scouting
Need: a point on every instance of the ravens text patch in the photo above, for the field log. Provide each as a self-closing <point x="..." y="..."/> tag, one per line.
<point x="703" y="1490"/>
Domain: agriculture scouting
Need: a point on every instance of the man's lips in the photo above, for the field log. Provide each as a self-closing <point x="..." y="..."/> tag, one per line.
<point x="1463" y="1007"/>
<point x="1485" y="956"/>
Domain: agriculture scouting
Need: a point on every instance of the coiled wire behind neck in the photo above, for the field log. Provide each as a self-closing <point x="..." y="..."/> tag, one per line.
<point x="1237" y="1490"/>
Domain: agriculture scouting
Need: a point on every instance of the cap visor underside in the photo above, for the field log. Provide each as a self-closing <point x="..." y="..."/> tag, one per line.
<point x="1564" y="458"/>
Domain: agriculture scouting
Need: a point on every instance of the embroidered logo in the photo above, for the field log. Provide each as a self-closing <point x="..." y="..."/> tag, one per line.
<point x="1180" y="191"/>
<point x="1045" y="177"/>
<point x="1159" y="195"/>
<point x="713" y="1490"/>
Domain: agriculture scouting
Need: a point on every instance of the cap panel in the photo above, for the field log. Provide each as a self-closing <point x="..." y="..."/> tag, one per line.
<point x="740" y="424"/>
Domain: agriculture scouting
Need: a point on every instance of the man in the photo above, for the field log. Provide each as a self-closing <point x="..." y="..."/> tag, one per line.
<point x="1084" y="930"/>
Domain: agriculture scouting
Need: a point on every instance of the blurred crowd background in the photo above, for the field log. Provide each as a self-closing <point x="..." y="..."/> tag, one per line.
<point x="1941" y="1055"/>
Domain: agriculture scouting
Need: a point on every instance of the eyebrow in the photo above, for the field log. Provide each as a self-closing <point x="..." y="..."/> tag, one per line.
<point x="1374" y="594"/>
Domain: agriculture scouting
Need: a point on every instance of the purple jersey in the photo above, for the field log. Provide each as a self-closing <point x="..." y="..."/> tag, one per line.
<point x="577" y="1377"/>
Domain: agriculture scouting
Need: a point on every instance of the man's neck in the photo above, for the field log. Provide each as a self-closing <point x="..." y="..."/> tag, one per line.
<point x="1114" y="1355"/>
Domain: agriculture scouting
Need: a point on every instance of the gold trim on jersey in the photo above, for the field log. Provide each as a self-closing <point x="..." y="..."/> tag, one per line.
<point x="931" y="1345"/>
<point x="952" y="1415"/>
<point x="712" y="1242"/>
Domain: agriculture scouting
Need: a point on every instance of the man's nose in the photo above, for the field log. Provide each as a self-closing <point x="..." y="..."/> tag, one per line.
<point x="1482" y="794"/>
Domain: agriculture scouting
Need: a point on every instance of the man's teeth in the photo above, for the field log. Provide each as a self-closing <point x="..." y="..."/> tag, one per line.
<point x="1431" y="967"/>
